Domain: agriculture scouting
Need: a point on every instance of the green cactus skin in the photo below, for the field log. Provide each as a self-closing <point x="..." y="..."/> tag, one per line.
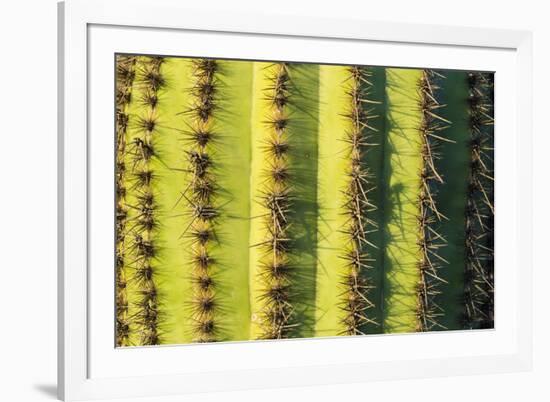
<point x="403" y="163"/>
<point x="233" y="176"/>
<point x="174" y="266"/>
<point x="271" y="200"/>
<point x="334" y="102"/>
<point x="451" y="197"/>
<point x="375" y="159"/>
<point x="345" y="136"/>
<point x="303" y="134"/>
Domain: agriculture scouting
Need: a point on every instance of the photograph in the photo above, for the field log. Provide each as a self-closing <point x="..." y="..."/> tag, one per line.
<point x="267" y="200"/>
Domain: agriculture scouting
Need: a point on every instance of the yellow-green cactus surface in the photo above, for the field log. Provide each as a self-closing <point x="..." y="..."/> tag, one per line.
<point x="270" y="200"/>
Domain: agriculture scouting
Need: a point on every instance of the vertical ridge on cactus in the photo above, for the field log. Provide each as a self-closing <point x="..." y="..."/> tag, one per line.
<point x="284" y="200"/>
<point x="125" y="74"/>
<point x="142" y="204"/>
<point x="201" y="199"/>
<point x="430" y="240"/>
<point x="333" y="164"/>
<point x="233" y="171"/>
<point x="276" y="197"/>
<point x="479" y="276"/>
<point x="303" y="130"/>
<point x="403" y="162"/>
<point x="357" y="205"/>
<point x="451" y="197"/>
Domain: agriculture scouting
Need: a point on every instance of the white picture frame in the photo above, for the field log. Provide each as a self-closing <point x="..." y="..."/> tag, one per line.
<point x="90" y="369"/>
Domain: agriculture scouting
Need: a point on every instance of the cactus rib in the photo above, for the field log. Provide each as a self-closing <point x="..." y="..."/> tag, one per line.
<point x="430" y="241"/>
<point x="276" y="266"/>
<point x="201" y="201"/>
<point x="144" y="248"/>
<point x="357" y="206"/>
<point x="479" y="275"/>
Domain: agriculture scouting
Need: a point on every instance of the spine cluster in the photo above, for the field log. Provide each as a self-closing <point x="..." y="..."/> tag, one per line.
<point x="479" y="278"/>
<point x="201" y="201"/>
<point x="150" y="81"/>
<point x="276" y="270"/>
<point x="355" y="301"/>
<point x="429" y="240"/>
<point x="125" y="75"/>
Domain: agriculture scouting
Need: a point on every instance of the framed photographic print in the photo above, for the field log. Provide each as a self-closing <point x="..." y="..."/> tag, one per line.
<point x="246" y="203"/>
